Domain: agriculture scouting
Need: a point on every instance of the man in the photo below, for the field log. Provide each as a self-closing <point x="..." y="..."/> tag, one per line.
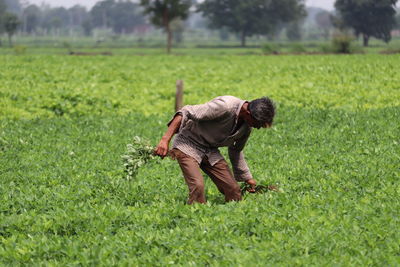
<point x="201" y="129"/>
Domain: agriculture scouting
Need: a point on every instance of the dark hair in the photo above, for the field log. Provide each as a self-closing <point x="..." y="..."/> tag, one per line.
<point x="263" y="110"/>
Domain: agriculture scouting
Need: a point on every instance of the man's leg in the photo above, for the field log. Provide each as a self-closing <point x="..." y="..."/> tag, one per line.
<point x="192" y="174"/>
<point x="222" y="176"/>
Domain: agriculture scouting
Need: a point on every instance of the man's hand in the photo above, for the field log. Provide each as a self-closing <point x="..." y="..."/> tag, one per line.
<point x="252" y="184"/>
<point x="162" y="148"/>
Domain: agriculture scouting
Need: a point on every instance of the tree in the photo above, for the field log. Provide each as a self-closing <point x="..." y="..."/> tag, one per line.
<point x="101" y="13"/>
<point x="31" y="18"/>
<point x="121" y="16"/>
<point x="3" y="8"/>
<point x="87" y="27"/>
<point x="324" y="22"/>
<point x="13" y="6"/>
<point x="369" y="18"/>
<point x="55" y="19"/>
<point x="125" y="16"/>
<point x="398" y="20"/>
<point x="11" y="23"/>
<point x="77" y="15"/>
<point x="252" y="16"/>
<point x="293" y="31"/>
<point x="177" y="28"/>
<point x="163" y="12"/>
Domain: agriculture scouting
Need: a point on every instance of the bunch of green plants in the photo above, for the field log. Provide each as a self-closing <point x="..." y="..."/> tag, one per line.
<point x="137" y="154"/>
<point x="343" y="43"/>
<point x="270" y="48"/>
<point x="297" y="48"/>
<point x="20" y="49"/>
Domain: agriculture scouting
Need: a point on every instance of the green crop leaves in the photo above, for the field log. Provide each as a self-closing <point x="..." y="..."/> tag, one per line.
<point x="333" y="151"/>
<point x="48" y="86"/>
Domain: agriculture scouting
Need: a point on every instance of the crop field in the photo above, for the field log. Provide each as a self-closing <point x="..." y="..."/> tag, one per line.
<point x="334" y="152"/>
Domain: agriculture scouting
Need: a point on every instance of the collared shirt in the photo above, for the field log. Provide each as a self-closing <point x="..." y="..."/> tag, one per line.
<point x="206" y="127"/>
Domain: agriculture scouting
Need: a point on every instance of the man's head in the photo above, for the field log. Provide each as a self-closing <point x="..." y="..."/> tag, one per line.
<point x="262" y="112"/>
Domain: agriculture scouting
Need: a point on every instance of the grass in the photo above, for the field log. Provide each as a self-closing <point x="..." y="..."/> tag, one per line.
<point x="192" y="45"/>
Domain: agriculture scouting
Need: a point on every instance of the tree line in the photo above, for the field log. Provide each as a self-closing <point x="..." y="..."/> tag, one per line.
<point x="367" y="18"/>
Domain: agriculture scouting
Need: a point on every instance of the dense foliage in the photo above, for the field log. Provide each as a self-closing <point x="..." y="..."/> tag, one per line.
<point x="333" y="152"/>
<point x="163" y="12"/>
<point x="369" y="18"/>
<point x="250" y="17"/>
<point x="121" y="16"/>
<point x="122" y="84"/>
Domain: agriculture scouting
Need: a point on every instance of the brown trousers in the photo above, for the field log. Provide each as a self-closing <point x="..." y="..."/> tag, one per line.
<point x="220" y="174"/>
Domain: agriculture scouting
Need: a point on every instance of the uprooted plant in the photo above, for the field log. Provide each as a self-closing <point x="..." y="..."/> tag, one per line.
<point x="138" y="153"/>
<point x="258" y="189"/>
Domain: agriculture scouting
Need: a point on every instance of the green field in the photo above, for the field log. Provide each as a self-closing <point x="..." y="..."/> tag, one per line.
<point x="334" y="151"/>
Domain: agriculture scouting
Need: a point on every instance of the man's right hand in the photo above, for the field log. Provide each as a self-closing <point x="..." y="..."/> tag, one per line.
<point x="252" y="184"/>
<point x="162" y="148"/>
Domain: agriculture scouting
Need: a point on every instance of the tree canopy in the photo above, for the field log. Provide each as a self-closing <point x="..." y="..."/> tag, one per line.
<point x="163" y="12"/>
<point x="370" y="18"/>
<point x="11" y="24"/>
<point x="2" y="12"/>
<point x="121" y="16"/>
<point x="398" y="20"/>
<point x="251" y="16"/>
<point x="323" y="20"/>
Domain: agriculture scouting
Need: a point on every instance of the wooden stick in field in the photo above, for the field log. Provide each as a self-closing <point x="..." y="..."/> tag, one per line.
<point x="179" y="95"/>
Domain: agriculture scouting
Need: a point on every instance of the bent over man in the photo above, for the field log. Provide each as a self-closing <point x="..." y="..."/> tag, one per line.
<point x="225" y="121"/>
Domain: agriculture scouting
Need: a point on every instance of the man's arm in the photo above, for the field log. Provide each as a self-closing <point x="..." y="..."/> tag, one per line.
<point x="163" y="146"/>
<point x="240" y="168"/>
<point x="241" y="171"/>
<point x="213" y="109"/>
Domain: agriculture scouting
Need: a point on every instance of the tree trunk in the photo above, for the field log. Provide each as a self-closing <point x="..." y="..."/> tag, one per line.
<point x="243" y="39"/>
<point x="365" y="40"/>
<point x="169" y="39"/>
<point x="326" y="34"/>
<point x="168" y="30"/>
<point x="10" y="40"/>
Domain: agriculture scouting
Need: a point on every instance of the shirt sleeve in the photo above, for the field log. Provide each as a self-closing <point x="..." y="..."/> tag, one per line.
<point x="209" y="111"/>
<point x="240" y="168"/>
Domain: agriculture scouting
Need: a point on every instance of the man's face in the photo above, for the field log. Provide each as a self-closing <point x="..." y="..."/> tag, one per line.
<point x="252" y="122"/>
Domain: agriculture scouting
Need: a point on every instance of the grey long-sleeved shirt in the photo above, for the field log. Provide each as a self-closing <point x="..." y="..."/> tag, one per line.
<point x="208" y="126"/>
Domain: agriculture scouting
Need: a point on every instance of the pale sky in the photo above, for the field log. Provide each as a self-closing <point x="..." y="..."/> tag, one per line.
<point x="326" y="4"/>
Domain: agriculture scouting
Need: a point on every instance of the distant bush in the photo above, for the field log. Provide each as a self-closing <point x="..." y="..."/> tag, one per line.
<point x="356" y="48"/>
<point x="344" y="44"/>
<point x="394" y="49"/>
<point x="270" y="49"/>
<point x="341" y="44"/>
<point x="67" y="46"/>
<point x="326" y="48"/>
<point x="20" y="49"/>
<point x="391" y="51"/>
<point x="297" y="48"/>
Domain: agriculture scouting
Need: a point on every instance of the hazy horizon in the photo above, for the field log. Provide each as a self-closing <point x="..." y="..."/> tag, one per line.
<point x="326" y="4"/>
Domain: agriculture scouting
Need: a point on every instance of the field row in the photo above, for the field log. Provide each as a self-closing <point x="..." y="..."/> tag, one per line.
<point x="46" y="86"/>
<point x="65" y="199"/>
<point x="333" y="151"/>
